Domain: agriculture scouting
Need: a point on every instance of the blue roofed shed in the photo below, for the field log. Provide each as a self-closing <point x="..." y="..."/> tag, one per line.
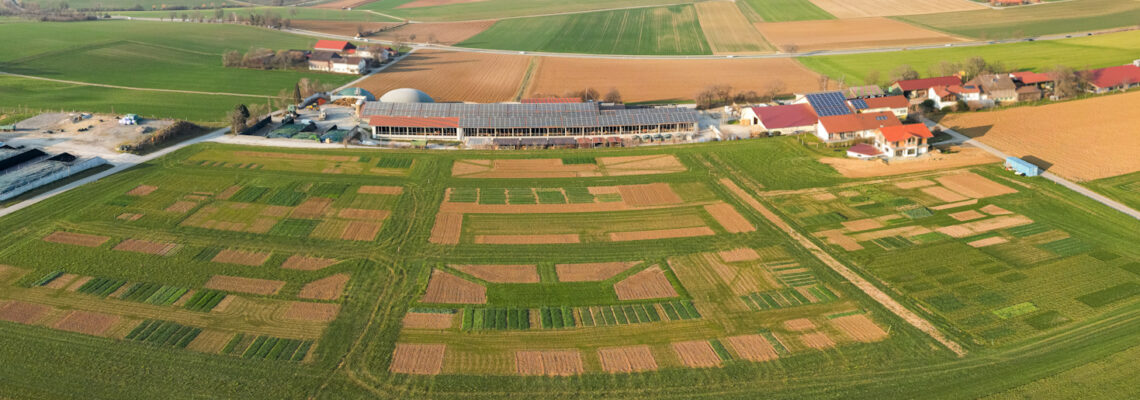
<point x="1022" y="167"/>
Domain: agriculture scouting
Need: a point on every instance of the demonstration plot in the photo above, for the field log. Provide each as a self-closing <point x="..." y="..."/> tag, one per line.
<point x="567" y="168"/>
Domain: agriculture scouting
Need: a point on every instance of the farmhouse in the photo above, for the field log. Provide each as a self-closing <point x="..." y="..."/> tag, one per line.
<point x="1026" y="78"/>
<point x="897" y="105"/>
<point x="920" y="87"/>
<point x="328" y="61"/>
<point x="779" y="120"/>
<point x="338" y="46"/>
<point x="903" y="141"/>
<point x="1122" y="77"/>
<point x="945" y="96"/>
<point x="998" y="88"/>
<point x="848" y="127"/>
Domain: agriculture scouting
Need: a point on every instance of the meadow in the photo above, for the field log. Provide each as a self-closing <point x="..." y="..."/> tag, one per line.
<point x="501" y="9"/>
<point x="1080" y="53"/>
<point x="125" y="4"/>
<point x="670" y="30"/>
<point x="293" y="13"/>
<point x="782" y="10"/>
<point x="1124" y="188"/>
<point x="1016" y="22"/>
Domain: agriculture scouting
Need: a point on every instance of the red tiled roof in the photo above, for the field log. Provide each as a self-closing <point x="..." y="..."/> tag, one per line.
<point x="1114" y="76"/>
<point x="787" y="116"/>
<point x="941" y="92"/>
<point x="957" y="89"/>
<point x="414" y="122"/>
<point x="887" y="102"/>
<point x="903" y="132"/>
<point x="864" y="149"/>
<point x="337" y="45"/>
<point x="858" y="122"/>
<point x="927" y="83"/>
<point x="551" y="100"/>
<point x="1032" y="78"/>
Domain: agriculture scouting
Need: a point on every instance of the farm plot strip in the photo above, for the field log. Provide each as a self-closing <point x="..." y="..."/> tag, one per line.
<point x="866" y="286"/>
<point x="133" y="88"/>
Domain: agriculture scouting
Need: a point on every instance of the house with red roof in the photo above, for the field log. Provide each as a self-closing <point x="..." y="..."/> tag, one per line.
<point x="779" y="120"/>
<point x="897" y="105"/>
<point x="946" y="96"/>
<point x="1121" y="77"/>
<point x="920" y="87"/>
<point x="339" y="46"/>
<point x="1031" y="78"/>
<point x="903" y="141"/>
<point x="848" y="127"/>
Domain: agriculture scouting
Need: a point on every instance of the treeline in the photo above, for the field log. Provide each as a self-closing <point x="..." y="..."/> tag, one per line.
<point x="587" y="94"/>
<point x="723" y="95"/>
<point x="258" y="58"/>
<point x="1068" y="81"/>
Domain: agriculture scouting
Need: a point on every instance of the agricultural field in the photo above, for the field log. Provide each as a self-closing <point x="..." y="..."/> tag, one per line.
<point x="880" y="8"/>
<point x="804" y="36"/>
<point x="465" y="10"/>
<point x="292" y="13"/>
<point x="782" y="10"/>
<point x="1044" y="19"/>
<point x="454" y="76"/>
<point x="126" y="4"/>
<point x="727" y="30"/>
<point x="1080" y="53"/>
<point x="448" y="33"/>
<point x="1123" y="188"/>
<point x="672" y="30"/>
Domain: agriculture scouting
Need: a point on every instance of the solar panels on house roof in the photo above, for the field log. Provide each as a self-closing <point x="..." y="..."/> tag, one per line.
<point x="859" y="104"/>
<point x="828" y="104"/>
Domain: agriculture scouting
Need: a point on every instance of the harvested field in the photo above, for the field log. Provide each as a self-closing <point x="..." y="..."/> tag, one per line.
<point x="590" y="272"/>
<point x="415" y="320"/>
<point x="833" y="34"/>
<point x="968" y="215"/>
<point x="697" y="354"/>
<point x="312" y="208"/>
<point x="799" y="325"/>
<point x="549" y="362"/>
<point x="501" y="273"/>
<point x="23" y="313"/>
<point x="367" y="215"/>
<point x="882" y="8"/>
<point x="966" y="156"/>
<point x="943" y="194"/>
<point x="818" y="340"/>
<point x="142" y="190"/>
<point x="87" y="322"/>
<point x="343" y="28"/>
<point x="651" y="194"/>
<point x="305" y="263"/>
<point x="915" y="184"/>
<point x="840" y="238"/>
<point x="995" y="210"/>
<point x="1045" y="132"/>
<point x="860" y="225"/>
<point x="663" y="80"/>
<point x="650" y="283"/>
<point x="79" y="283"/>
<point x="739" y="255"/>
<point x="210" y="341"/>
<point x="728" y="218"/>
<point x="450" y="289"/>
<point x="527" y="239"/>
<point x="147" y="247"/>
<point x="860" y="328"/>
<point x="974" y="185"/>
<point x="227" y="283"/>
<point x="328" y="288"/>
<point x="61" y="282"/>
<point x="312" y="312"/>
<point x="386" y="190"/>
<point x="727" y="30"/>
<point x="447" y="229"/>
<point x="181" y="207"/>
<point x="434" y="3"/>
<point x="988" y="241"/>
<point x="447" y="33"/>
<point x="662" y="234"/>
<point x="78" y="239"/>
<point x="250" y="258"/>
<point x="360" y="231"/>
<point x="229" y="192"/>
<point x="983" y="226"/>
<point x="531" y="168"/>
<point x="454" y="76"/>
<point x="129" y="217"/>
<point x="753" y="347"/>
<point x="338" y="5"/>
<point x="417" y="359"/>
<point x="627" y="359"/>
<point x="641" y="165"/>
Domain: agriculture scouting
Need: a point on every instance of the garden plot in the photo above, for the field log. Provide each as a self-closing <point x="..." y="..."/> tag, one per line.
<point x="548" y="362"/>
<point x="558" y="168"/>
<point x="418" y="359"/>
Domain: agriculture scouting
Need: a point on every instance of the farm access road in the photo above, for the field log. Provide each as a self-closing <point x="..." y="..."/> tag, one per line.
<point x="1047" y="175"/>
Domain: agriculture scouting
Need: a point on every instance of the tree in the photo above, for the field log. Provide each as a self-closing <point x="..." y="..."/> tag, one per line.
<point x="714" y="96"/>
<point x="872" y="77"/>
<point x="238" y="118"/>
<point x="231" y="58"/>
<point x="824" y="81"/>
<point x="297" y="94"/>
<point x="773" y="89"/>
<point x="613" y="96"/>
<point x="904" y="72"/>
<point x="360" y="30"/>
<point x="946" y="68"/>
<point x="219" y="14"/>
<point x="1067" y="82"/>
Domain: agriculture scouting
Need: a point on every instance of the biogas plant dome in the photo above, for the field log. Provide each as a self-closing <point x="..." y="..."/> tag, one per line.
<point x="406" y="95"/>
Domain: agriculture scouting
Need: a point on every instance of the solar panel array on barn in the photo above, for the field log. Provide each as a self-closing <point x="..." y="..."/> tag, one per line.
<point x="828" y="104"/>
<point x="536" y="115"/>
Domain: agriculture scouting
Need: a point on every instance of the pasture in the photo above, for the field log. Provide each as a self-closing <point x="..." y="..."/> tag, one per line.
<point x="36" y="94"/>
<point x="1015" y="22"/>
<point x="672" y="30"/>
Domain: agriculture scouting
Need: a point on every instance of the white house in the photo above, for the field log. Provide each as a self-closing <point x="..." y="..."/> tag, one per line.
<point x="842" y="128"/>
<point x="903" y="141"/>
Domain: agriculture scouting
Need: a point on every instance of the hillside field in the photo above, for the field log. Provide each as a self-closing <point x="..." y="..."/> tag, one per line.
<point x="782" y="10"/>
<point x="500" y="9"/>
<point x="1014" y="22"/>
<point x="294" y="13"/>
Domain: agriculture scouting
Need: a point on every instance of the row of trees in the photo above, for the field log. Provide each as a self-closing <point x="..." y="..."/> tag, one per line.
<point x="587" y="94"/>
<point x="723" y="95"/>
<point x="259" y="58"/>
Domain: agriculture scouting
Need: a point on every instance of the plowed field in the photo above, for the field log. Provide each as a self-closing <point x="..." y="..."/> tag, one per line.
<point x="454" y="76"/>
<point x="832" y="34"/>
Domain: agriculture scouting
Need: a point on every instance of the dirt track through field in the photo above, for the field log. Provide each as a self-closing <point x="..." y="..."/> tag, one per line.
<point x="590" y="272"/>
<point x="450" y="289"/>
<point x="650" y="283"/>
<point x="855" y="33"/>
<point x="501" y="273"/>
<point x="417" y="359"/>
<point x="454" y="76"/>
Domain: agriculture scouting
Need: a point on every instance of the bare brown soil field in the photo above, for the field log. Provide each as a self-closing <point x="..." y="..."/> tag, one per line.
<point x="361" y="214"/>
<point x="968" y="215"/>
<point x="450" y="289"/>
<point x="434" y="3"/>
<point x="250" y="258"/>
<point x="839" y="238"/>
<point x="304" y="263"/>
<point x="817" y="340"/>
<point x="417" y="359"/>
<point x="210" y="341"/>
<point x="244" y="285"/>
<point x="447" y="33"/>
<point x="860" y="328"/>
<point x="661" y="80"/>
<point x="627" y="359"/>
<point x="147" y="247"/>
<point x="974" y="185"/>
<point x="342" y="28"/>
<point x="312" y="208"/>
<point x="799" y="325"/>
<point x="549" y="362"/>
<point x="447" y="229"/>
<point x="87" y="322"/>
<point x="414" y="320"/>
<point x="129" y="217"/>
<point x="1046" y="132"/>
<point x="312" y="312"/>
<point x="949" y="206"/>
<point x="181" y="207"/>
<point x="662" y="234"/>
<point x="590" y="272"/>
<point x="739" y="255"/>
<point x="360" y="231"/>
<point x="983" y="226"/>
<point x="23" y="313"/>
<point x="386" y="190"/>
<point x="641" y="165"/>
<point x="532" y="168"/>
<point x="142" y="190"/>
<point x="697" y="354"/>
<point x="966" y="156"/>
<point x="995" y="210"/>
<point x="865" y="224"/>
<point x="906" y="231"/>
<point x="650" y="283"/>
<point x="727" y="30"/>
<point x="752" y="347"/>
<point x="61" y="282"/>
<point x="650" y="194"/>
<point x="501" y="273"/>
<point x="833" y="34"/>
<point x="78" y="239"/>
<point x="988" y="241"/>
<point x="527" y="239"/>
<point x="943" y="194"/>
<point x="328" y="288"/>
<point x="882" y="8"/>
<point x="915" y="184"/>
<point x="728" y="218"/>
<point x="454" y="76"/>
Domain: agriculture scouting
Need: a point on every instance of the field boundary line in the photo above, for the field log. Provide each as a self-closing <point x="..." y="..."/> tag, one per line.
<point x="103" y="85"/>
<point x="863" y="284"/>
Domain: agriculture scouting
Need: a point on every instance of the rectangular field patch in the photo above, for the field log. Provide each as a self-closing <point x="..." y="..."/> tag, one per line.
<point x="22" y="312"/>
<point x="446" y="288"/>
<point x="528" y="239"/>
<point x="728" y="218"/>
<point x="627" y="359"/>
<point x="417" y="359"/>
<point x="304" y="263"/>
<point x="860" y="328"/>
<point x="437" y="321"/>
<point x="661" y="234"/>
<point x="239" y="284"/>
<point x="77" y="239"/>
<point x="650" y="283"/>
<point x="147" y="247"/>
<point x="590" y="272"/>
<point x="87" y="322"/>
<point x="501" y="273"/>
<point x="327" y="288"/>
<point x="697" y="354"/>
<point x="548" y="362"/>
<point x="753" y="347"/>
<point x="250" y="258"/>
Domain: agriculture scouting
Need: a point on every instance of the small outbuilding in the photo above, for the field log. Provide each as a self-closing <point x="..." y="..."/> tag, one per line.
<point x="1021" y="167"/>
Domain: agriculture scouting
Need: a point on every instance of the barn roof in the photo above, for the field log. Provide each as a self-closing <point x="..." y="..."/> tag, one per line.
<point x="334" y="45"/>
<point x="1031" y="78"/>
<point x="927" y="83"/>
<point x="858" y="122"/>
<point x="1114" y="76"/>
<point x="864" y="149"/>
<point x="540" y="115"/>
<point x="887" y="102"/>
<point x="414" y="122"/>
<point x="787" y="116"/>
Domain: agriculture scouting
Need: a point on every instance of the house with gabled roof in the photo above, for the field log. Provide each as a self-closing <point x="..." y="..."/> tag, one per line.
<point x="1123" y="77"/>
<point x="848" y="127"/>
<point x="896" y="104"/>
<point x="339" y="46"/>
<point x="916" y="88"/>
<point x="779" y="120"/>
<point x="999" y="88"/>
<point x="903" y="141"/>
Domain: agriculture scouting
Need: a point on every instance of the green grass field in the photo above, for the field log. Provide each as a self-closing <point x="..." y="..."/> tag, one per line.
<point x="295" y="13"/>
<point x="782" y="10"/>
<point x="1016" y="22"/>
<point x="125" y="4"/>
<point x="350" y="357"/>
<point x="662" y="31"/>
<point x="1080" y="53"/>
<point x="500" y="9"/>
<point x="1123" y="188"/>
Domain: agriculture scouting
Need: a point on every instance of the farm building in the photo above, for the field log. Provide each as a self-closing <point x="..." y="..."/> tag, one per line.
<point x="1027" y="78"/>
<point x="826" y="104"/>
<point x="1121" y="77"/>
<point x="863" y="151"/>
<point x="998" y="88"/>
<point x="917" y="88"/>
<point x="1021" y="167"/>
<point x="549" y="100"/>
<point x="352" y="93"/>
<point x="862" y="92"/>
<point x="26" y="169"/>
<point x="946" y="96"/>
<point x="327" y="61"/>
<point x="456" y="121"/>
<point x="1029" y="93"/>
<point x="903" y="141"/>
<point x="848" y="127"/>
<point x="338" y="46"/>
<point x="779" y="120"/>
<point x="896" y="104"/>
